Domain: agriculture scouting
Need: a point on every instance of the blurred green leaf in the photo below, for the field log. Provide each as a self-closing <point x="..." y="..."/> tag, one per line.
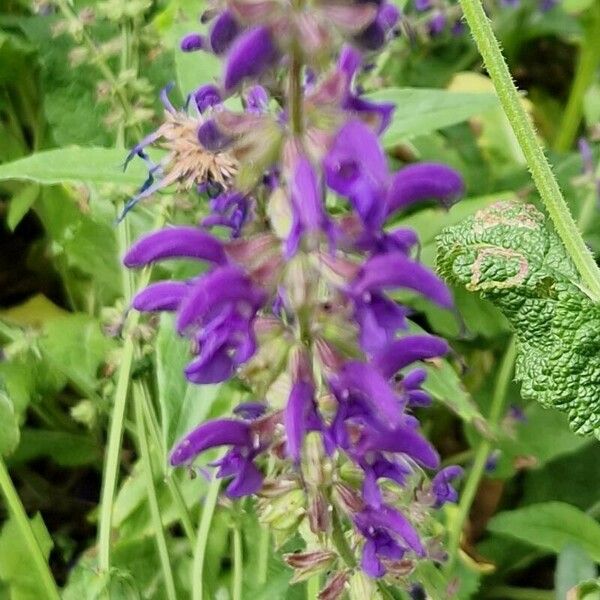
<point x="63" y="448"/>
<point x="9" y="426"/>
<point x="96" y="165"/>
<point x="420" y="111"/>
<point x="76" y="347"/>
<point x="182" y="405"/>
<point x="551" y="526"/>
<point x="16" y="571"/>
<point x="20" y="203"/>
<point x="572" y="567"/>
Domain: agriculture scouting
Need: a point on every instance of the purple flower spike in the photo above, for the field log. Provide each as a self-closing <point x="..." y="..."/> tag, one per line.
<point x="220" y="432"/>
<point x="175" y="242"/>
<point x="223" y="32"/>
<point x="164" y="295"/>
<point x="192" y="42"/>
<point x="395" y="270"/>
<point x="206" y="97"/>
<point x="441" y="488"/>
<point x="250" y="56"/>
<point x="402" y="352"/>
<point x="416" y="183"/>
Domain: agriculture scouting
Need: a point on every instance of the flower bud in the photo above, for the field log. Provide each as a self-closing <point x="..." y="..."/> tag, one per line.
<point x="318" y="511"/>
<point x="307" y="564"/>
<point x="347" y="499"/>
<point x="335" y="587"/>
<point x="285" y="512"/>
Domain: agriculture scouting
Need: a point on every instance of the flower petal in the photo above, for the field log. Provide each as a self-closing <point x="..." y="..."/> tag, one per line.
<point x="175" y="242"/>
<point x="164" y="295"/>
<point x="404" y="351"/>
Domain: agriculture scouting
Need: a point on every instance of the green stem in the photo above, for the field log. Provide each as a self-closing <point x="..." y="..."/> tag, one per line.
<point x="210" y="503"/>
<point x="20" y="516"/>
<point x="238" y="563"/>
<point x="264" y="546"/>
<point x="157" y="526"/>
<point x="295" y="92"/>
<point x="172" y="484"/>
<point x="339" y="540"/>
<point x="587" y="65"/>
<point x="507" y="592"/>
<point x="543" y="176"/>
<point x="481" y="454"/>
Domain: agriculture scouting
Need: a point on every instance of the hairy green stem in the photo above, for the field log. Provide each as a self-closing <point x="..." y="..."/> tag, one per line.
<point x="157" y="526"/>
<point x="238" y="563"/>
<point x="541" y="172"/>
<point x="587" y="65"/>
<point x="313" y="586"/>
<point x="210" y="503"/>
<point x="339" y="540"/>
<point x="481" y="454"/>
<point x="36" y="555"/>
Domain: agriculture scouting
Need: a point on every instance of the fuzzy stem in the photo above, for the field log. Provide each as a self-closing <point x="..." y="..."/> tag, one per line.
<point x="157" y="526"/>
<point x="481" y="454"/>
<point x="210" y="503"/>
<point x="339" y="540"/>
<point x="541" y="172"/>
<point x="17" y="510"/>
<point x="313" y="585"/>
<point x="295" y="92"/>
<point x="587" y="65"/>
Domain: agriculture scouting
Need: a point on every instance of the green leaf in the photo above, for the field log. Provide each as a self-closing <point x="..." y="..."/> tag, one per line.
<point x="13" y="569"/>
<point x="20" y="203"/>
<point x="551" y="526"/>
<point x="420" y="110"/>
<point x="182" y="405"/>
<point x="572" y="568"/>
<point x="9" y="426"/>
<point x="64" y="448"/>
<point x="94" y="165"/>
<point x="76" y="347"/>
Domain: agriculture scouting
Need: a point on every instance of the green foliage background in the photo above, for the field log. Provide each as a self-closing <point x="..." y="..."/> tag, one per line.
<point x="532" y="530"/>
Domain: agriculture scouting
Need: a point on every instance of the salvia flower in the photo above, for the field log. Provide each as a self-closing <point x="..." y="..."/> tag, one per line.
<point x="298" y="267"/>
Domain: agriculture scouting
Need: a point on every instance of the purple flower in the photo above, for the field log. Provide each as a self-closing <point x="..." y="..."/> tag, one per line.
<point x="376" y="466"/>
<point x="211" y="137"/>
<point x="395" y="270"/>
<point x="300" y="411"/>
<point x="223" y="32"/>
<point x="206" y="97"/>
<point x="162" y="296"/>
<point x="388" y="534"/>
<point x="175" y="242"/>
<point x="237" y="463"/>
<point x="229" y="209"/>
<point x="437" y="24"/>
<point x="192" y="42"/>
<point x="308" y="212"/>
<point x="404" y="351"/>
<point x="441" y="488"/>
<point x="422" y="5"/>
<point x="257" y="99"/>
<point x="251" y="55"/>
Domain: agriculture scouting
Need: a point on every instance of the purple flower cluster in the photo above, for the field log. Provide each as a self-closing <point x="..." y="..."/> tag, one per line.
<point x="297" y="283"/>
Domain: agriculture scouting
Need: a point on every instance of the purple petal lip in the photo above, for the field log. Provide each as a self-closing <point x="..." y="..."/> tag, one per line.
<point x="404" y="351"/>
<point x="164" y="295"/>
<point x="223" y="32"/>
<point x="207" y="96"/>
<point x="402" y="439"/>
<point x="192" y="42"/>
<point x="220" y="432"/>
<point x="395" y="270"/>
<point x="423" y="181"/>
<point x="175" y="242"/>
<point x="295" y="417"/>
<point x="251" y="54"/>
